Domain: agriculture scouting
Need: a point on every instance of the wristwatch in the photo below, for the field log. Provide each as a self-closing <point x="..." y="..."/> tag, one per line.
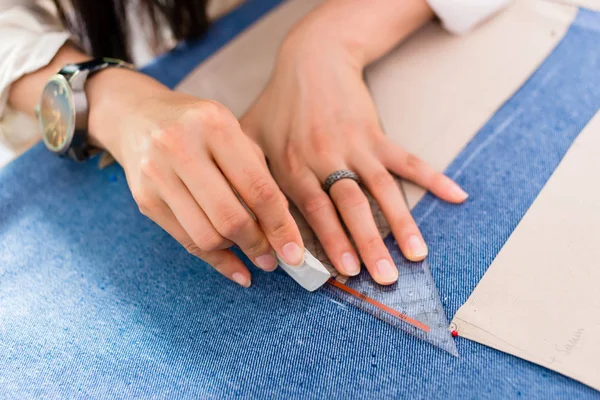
<point x="63" y="108"/>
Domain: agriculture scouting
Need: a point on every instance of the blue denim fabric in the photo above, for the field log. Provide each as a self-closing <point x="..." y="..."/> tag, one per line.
<point x="96" y="301"/>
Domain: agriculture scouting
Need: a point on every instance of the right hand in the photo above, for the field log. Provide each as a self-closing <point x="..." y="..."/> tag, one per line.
<point x="183" y="158"/>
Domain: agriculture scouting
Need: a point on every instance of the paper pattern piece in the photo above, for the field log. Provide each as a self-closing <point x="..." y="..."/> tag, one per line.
<point x="540" y="298"/>
<point x="433" y="92"/>
<point x="437" y="90"/>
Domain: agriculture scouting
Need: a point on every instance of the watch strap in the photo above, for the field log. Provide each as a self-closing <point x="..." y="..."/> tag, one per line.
<point x="77" y="74"/>
<point x="92" y="66"/>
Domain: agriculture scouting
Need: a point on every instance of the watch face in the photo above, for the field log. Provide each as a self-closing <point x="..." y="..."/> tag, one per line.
<point x="56" y="114"/>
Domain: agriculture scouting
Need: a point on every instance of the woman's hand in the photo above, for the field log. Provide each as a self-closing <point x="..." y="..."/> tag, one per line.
<point x="185" y="159"/>
<point x="316" y="116"/>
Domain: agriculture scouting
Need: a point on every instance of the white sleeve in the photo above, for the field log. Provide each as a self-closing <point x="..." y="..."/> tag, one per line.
<point x="460" y="16"/>
<point x="31" y="36"/>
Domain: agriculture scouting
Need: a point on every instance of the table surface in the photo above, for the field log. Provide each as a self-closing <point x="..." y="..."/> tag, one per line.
<point x="97" y="301"/>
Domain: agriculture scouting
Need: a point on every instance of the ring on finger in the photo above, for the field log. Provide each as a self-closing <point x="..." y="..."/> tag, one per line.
<point x="337" y="176"/>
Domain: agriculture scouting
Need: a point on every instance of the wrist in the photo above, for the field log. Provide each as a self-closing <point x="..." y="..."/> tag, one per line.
<point x="362" y="31"/>
<point x="315" y="38"/>
<point x="113" y="95"/>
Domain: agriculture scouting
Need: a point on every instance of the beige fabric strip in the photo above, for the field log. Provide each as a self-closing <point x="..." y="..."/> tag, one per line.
<point x="540" y="298"/>
<point x="236" y="74"/>
<point x="437" y="90"/>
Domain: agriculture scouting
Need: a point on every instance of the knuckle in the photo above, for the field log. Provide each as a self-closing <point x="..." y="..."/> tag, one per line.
<point x="353" y="200"/>
<point x="214" y="109"/>
<point x="175" y="142"/>
<point x="262" y="190"/>
<point x="209" y="240"/>
<point x="292" y="159"/>
<point x="282" y="228"/>
<point x="257" y="245"/>
<point x="372" y="243"/>
<point x="143" y="210"/>
<point x="149" y="167"/>
<point x="382" y="180"/>
<point x="376" y="134"/>
<point x="168" y="138"/>
<point x="321" y="141"/>
<point x="146" y="204"/>
<point x="137" y="194"/>
<point x="211" y="114"/>
<point x="214" y="116"/>
<point x="146" y="207"/>
<point x="193" y="249"/>
<point x="233" y="223"/>
<point x="315" y="204"/>
<point x="412" y="164"/>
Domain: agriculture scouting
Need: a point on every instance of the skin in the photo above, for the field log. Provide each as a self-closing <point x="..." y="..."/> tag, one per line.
<point x="186" y="158"/>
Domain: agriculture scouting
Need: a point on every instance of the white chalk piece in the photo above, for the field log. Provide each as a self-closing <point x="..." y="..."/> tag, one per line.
<point x="311" y="274"/>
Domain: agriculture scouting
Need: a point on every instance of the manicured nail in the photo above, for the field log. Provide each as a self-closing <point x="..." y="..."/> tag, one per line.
<point x="417" y="247"/>
<point x="457" y="192"/>
<point x="292" y="254"/>
<point x="241" y="279"/>
<point x="351" y="265"/>
<point x="267" y="262"/>
<point x="387" y="272"/>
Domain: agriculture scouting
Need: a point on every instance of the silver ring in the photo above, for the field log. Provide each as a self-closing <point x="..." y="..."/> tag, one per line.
<point x="339" y="175"/>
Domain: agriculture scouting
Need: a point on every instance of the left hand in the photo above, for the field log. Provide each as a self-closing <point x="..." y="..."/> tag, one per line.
<point x="316" y="116"/>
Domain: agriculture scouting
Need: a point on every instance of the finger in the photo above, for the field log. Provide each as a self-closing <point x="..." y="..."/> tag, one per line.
<point x="229" y="265"/>
<point x="411" y="167"/>
<point x="321" y="215"/>
<point x="187" y="211"/>
<point x="254" y="183"/>
<point x="385" y="190"/>
<point x="223" y="261"/>
<point x="260" y="155"/>
<point x="358" y="217"/>
<point x="226" y="214"/>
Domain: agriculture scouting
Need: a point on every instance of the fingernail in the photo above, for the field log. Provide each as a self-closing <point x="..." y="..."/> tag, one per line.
<point x="417" y="247"/>
<point x="350" y="264"/>
<point x="241" y="279"/>
<point x="457" y="192"/>
<point x="387" y="272"/>
<point x="267" y="262"/>
<point x="292" y="254"/>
